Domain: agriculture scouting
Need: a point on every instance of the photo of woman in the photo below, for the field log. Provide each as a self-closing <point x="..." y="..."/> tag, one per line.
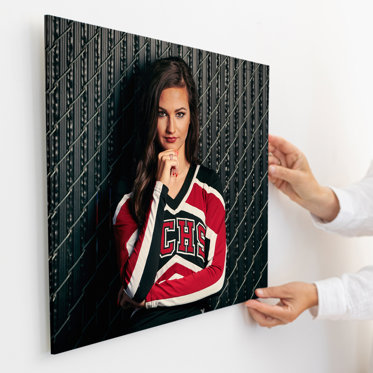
<point x="170" y="230"/>
<point x="157" y="181"/>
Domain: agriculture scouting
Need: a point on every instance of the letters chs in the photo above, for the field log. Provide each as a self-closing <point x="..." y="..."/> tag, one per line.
<point x="189" y="237"/>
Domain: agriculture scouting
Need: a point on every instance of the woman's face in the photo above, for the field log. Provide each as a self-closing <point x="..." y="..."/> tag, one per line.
<point x="173" y="118"/>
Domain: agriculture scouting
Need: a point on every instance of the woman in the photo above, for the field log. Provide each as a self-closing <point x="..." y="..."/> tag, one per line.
<point x="170" y="231"/>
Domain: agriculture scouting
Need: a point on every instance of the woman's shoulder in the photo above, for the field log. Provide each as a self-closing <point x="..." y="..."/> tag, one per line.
<point x="122" y="205"/>
<point x="209" y="177"/>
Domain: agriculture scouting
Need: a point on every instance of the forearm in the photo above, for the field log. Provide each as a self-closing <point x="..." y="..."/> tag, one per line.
<point x="310" y="295"/>
<point x="139" y="269"/>
<point x="189" y="289"/>
<point x="323" y="203"/>
<point x="196" y="283"/>
<point x="290" y="172"/>
<point x="355" y="217"/>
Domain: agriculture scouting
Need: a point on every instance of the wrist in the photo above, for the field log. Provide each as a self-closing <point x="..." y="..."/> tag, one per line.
<point x="324" y="204"/>
<point x="312" y="295"/>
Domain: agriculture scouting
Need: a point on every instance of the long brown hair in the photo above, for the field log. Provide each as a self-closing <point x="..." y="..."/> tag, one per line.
<point x="164" y="73"/>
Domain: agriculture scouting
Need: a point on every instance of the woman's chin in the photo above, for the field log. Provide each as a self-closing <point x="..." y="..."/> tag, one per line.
<point x="171" y="145"/>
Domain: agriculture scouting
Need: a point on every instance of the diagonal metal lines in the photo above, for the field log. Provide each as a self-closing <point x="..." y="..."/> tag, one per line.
<point x="236" y="136"/>
<point x="263" y="272"/>
<point x="59" y="37"/>
<point x="91" y="114"/>
<point x="247" y="273"/>
<point x="98" y="149"/>
<point x="238" y="258"/>
<point x="86" y="85"/>
<point x="63" y="75"/>
<point x="84" y="207"/>
<point x="218" y="71"/>
<point x="219" y="101"/>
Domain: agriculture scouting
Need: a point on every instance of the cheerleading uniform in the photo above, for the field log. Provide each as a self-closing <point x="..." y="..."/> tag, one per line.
<point x="179" y="255"/>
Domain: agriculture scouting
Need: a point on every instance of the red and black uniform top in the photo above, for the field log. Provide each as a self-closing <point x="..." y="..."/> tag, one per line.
<point x="179" y="255"/>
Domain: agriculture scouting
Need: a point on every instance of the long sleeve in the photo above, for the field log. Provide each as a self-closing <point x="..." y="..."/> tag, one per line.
<point x="209" y="280"/>
<point x="355" y="217"/>
<point x="138" y="253"/>
<point x="350" y="296"/>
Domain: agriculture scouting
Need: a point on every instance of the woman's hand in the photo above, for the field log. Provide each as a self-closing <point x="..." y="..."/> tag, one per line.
<point x="126" y="302"/>
<point x="290" y="172"/>
<point x="295" y="297"/>
<point x="168" y="164"/>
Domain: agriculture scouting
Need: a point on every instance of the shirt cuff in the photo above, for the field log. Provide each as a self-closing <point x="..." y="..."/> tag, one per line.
<point x="332" y="302"/>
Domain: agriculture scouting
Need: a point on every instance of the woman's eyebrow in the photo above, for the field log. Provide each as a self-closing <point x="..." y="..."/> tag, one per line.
<point x="181" y="108"/>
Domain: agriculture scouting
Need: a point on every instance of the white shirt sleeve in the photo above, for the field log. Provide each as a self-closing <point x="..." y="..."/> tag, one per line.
<point x="349" y="296"/>
<point x="355" y="217"/>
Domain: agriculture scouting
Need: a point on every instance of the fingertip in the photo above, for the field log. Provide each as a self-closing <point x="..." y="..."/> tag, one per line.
<point x="272" y="179"/>
<point x="259" y="292"/>
<point x="272" y="137"/>
<point x="272" y="170"/>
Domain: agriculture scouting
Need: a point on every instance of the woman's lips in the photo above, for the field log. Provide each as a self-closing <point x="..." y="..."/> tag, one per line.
<point x="171" y="139"/>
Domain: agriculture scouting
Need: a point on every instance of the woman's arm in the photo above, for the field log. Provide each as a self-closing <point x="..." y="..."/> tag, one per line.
<point x="198" y="285"/>
<point x="138" y="253"/>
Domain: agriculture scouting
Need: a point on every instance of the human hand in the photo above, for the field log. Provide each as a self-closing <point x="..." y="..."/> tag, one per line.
<point x="126" y="302"/>
<point x="167" y="166"/>
<point x="289" y="171"/>
<point x="295" y="297"/>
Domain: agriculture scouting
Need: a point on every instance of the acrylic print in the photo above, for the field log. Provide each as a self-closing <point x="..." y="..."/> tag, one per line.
<point x="157" y="181"/>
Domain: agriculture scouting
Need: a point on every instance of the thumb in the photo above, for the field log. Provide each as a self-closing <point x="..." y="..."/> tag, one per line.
<point x="283" y="173"/>
<point x="271" y="292"/>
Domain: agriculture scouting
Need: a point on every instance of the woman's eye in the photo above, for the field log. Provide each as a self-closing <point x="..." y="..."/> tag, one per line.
<point x="161" y="114"/>
<point x="180" y="115"/>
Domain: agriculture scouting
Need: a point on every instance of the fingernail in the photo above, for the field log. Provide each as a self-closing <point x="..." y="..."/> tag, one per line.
<point x="259" y="292"/>
<point x="176" y="174"/>
<point x="272" y="169"/>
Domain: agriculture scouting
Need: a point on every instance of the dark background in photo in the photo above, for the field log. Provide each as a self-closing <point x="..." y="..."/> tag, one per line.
<point x="93" y="81"/>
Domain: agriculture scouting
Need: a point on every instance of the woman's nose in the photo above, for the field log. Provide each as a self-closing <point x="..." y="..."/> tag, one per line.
<point x="171" y="125"/>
